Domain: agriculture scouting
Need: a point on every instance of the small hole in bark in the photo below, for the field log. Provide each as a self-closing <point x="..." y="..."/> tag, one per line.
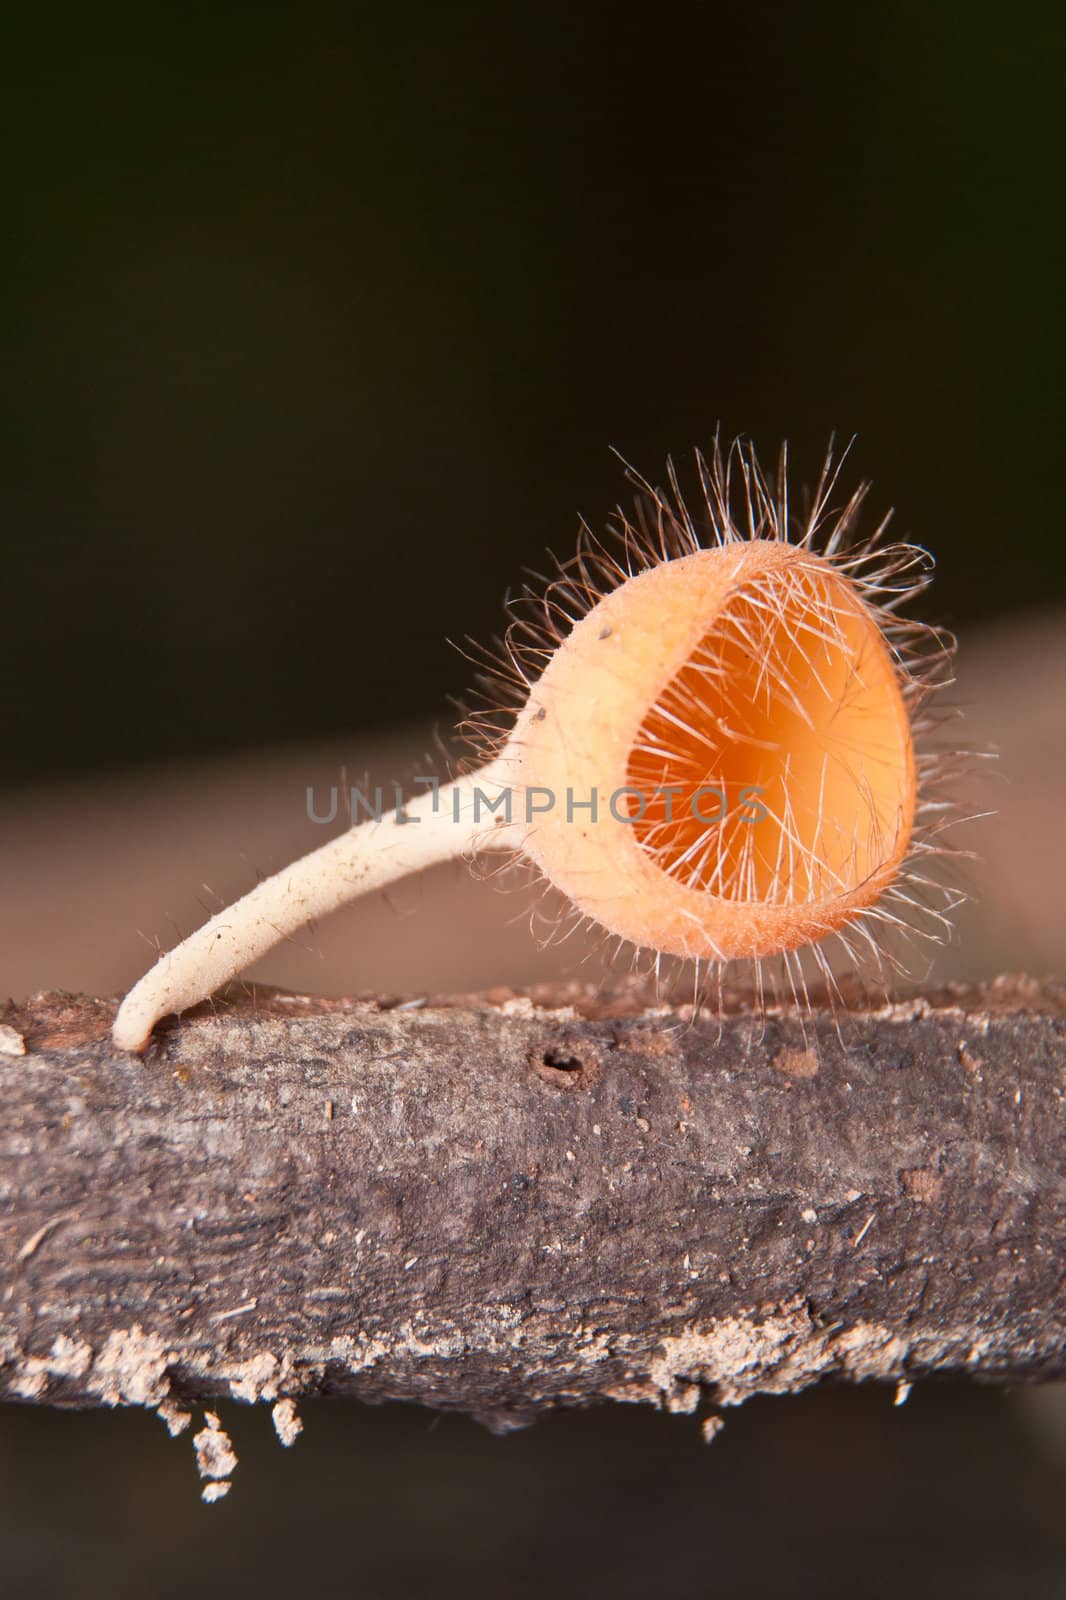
<point x="562" y="1061"/>
<point x="561" y="1066"/>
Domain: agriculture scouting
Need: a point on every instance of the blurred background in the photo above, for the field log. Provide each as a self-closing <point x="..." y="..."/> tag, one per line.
<point x="318" y="322"/>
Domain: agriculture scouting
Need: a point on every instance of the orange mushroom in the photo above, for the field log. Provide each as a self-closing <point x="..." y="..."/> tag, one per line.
<point x="711" y="752"/>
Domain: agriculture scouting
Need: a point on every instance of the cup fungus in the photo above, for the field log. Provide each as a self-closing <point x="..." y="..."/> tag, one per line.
<point x="704" y="731"/>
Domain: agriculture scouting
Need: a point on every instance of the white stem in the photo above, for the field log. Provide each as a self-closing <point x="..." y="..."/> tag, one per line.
<point x="442" y="825"/>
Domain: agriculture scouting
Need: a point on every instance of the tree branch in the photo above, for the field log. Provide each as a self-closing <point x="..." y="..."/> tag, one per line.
<point x="502" y="1204"/>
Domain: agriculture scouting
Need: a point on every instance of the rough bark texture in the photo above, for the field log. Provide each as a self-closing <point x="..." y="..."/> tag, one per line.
<point x="504" y="1203"/>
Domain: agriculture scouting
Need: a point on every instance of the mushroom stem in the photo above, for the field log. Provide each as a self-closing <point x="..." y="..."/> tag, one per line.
<point x="436" y="826"/>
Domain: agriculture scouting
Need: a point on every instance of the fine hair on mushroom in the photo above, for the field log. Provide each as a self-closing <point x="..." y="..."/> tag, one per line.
<point x="708" y="732"/>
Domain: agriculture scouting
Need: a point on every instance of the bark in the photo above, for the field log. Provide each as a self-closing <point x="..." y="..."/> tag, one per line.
<point x="505" y="1203"/>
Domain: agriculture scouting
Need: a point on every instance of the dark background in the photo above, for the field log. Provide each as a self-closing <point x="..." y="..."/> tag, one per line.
<point x="319" y="320"/>
<point x="317" y="324"/>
